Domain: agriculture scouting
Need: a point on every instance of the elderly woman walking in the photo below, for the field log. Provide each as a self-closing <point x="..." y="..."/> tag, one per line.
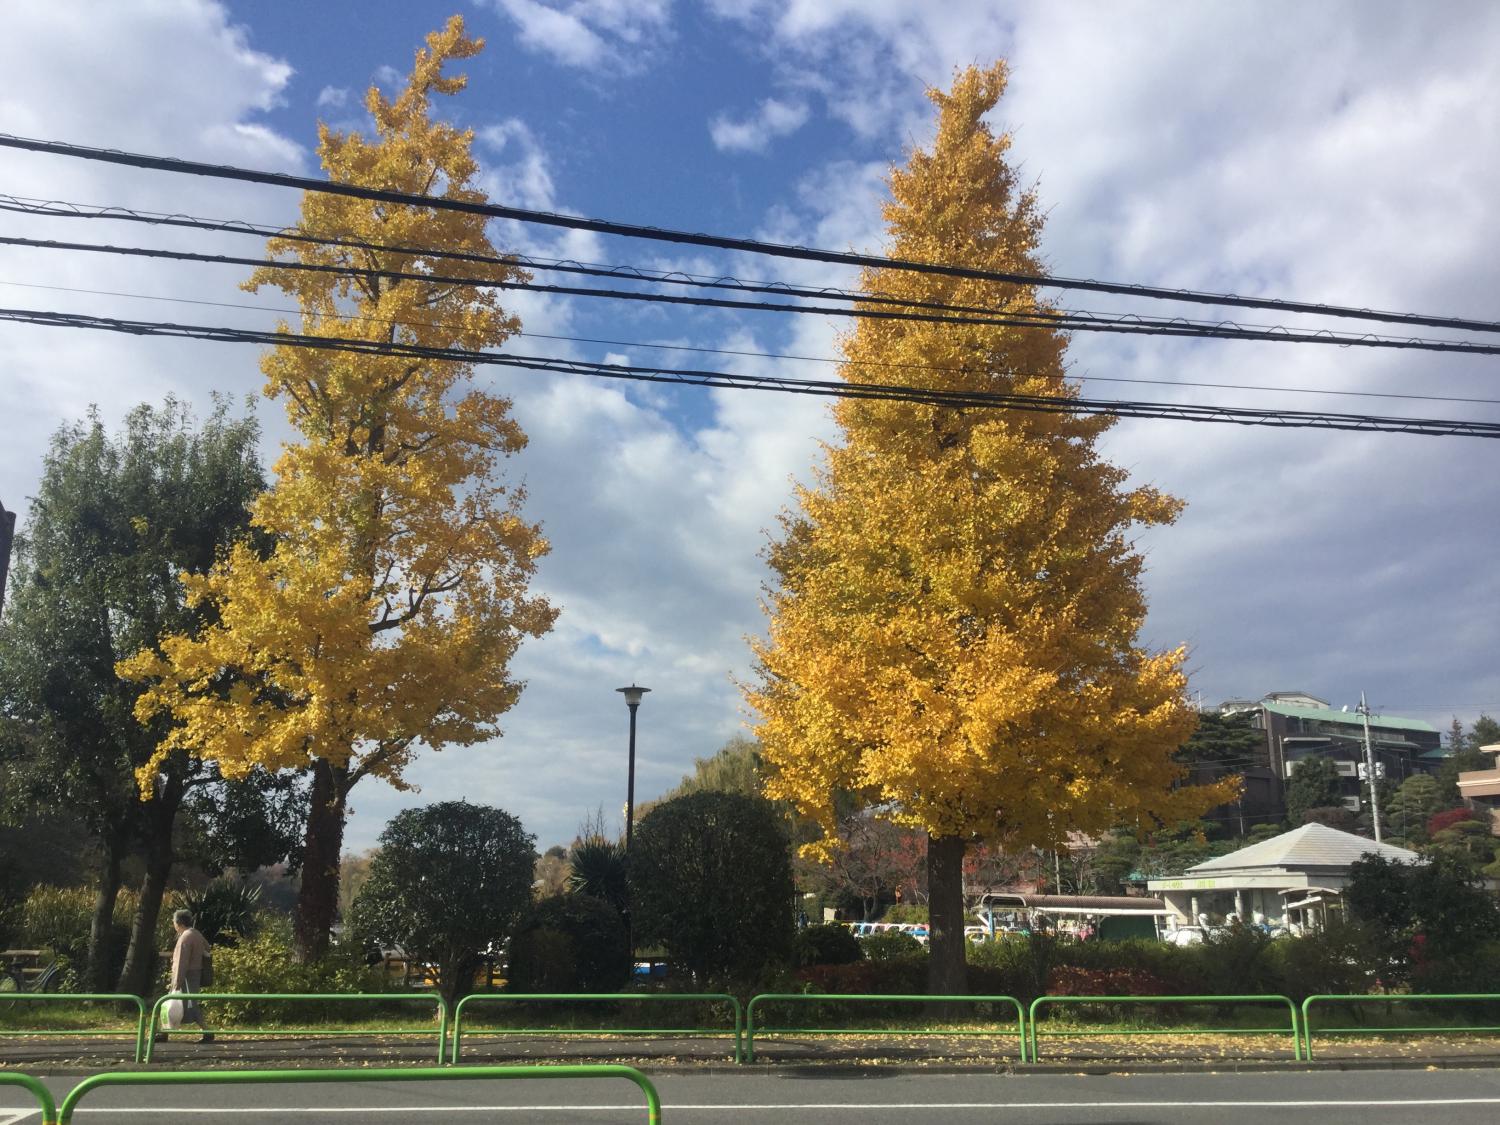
<point x="189" y="957"/>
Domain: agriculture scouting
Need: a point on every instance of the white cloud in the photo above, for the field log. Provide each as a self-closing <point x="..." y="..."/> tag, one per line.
<point x="333" y="96"/>
<point x="160" y="78"/>
<point x="1336" y="153"/>
<point x="773" y="119"/>
<point x="1355" y="172"/>
<point x="616" y="35"/>
<point x="521" y="176"/>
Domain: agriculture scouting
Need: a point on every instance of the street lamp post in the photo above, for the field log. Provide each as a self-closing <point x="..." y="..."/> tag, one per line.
<point x="7" y="536"/>
<point x="633" y="695"/>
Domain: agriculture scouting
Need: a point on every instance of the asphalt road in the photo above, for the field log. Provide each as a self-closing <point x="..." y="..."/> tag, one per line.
<point x="1369" y="1097"/>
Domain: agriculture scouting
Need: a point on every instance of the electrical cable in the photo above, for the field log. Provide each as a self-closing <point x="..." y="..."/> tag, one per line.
<point x="357" y="318"/>
<point x="1130" y="325"/>
<point x="1076" y="318"/>
<point x="745" y="245"/>
<point x="63" y="209"/>
<point x="824" y="388"/>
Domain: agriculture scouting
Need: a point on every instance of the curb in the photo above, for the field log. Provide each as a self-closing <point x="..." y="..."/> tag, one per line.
<point x="886" y="1069"/>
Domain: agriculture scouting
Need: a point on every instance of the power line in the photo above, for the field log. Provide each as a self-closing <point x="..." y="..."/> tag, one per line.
<point x="744" y="245"/>
<point x="64" y="209"/>
<point x="826" y="388"/>
<point x="1129" y="324"/>
<point x="744" y="353"/>
<point x="1044" y="317"/>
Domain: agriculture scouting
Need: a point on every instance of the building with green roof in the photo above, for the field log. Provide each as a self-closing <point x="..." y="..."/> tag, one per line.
<point x="1299" y="726"/>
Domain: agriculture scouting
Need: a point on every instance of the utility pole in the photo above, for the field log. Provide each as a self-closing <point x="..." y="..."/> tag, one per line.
<point x="1364" y="712"/>
<point x="7" y="536"/>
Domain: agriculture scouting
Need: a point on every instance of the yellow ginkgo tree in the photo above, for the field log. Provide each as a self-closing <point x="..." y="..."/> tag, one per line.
<point x="384" y="613"/>
<point x="953" y="629"/>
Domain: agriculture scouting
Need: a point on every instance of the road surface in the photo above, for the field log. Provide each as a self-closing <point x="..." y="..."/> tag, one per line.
<point x="1369" y="1097"/>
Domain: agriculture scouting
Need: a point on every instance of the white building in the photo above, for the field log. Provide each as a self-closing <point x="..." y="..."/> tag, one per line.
<point x="1289" y="880"/>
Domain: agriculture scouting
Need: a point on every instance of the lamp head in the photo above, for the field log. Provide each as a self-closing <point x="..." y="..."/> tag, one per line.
<point x="632" y="694"/>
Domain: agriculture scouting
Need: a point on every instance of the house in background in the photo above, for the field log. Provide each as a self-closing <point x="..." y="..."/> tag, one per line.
<point x="1480" y="789"/>
<point x="1291" y="880"/>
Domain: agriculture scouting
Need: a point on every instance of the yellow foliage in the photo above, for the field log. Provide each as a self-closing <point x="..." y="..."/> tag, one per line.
<point x="953" y="631"/>
<point x="387" y="609"/>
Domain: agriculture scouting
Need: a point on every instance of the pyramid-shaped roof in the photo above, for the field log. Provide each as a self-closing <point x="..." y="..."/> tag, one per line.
<point x="1312" y="845"/>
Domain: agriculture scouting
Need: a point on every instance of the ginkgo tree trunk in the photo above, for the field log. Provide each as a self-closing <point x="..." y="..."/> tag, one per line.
<point x="953" y="628"/>
<point x="386" y="615"/>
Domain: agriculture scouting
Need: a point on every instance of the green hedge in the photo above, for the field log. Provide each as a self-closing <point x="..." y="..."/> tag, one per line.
<point x="1238" y="960"/>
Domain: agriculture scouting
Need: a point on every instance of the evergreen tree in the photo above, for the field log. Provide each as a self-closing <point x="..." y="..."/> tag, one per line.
<point x="116" y="520"/>
<point x="1485" y="732"/>
<point x="1314" y="784"/>
<point x="1406" y="813"/>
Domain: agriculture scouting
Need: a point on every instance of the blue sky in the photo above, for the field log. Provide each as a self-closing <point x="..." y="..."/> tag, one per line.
<point x="1340" y="152"/>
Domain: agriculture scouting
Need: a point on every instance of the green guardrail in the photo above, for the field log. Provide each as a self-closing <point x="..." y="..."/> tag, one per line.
<point x="155" y="1026"/>
<point x="79" y="998"/>
<point x="1399" y="998"/>
<point x="383" y="1074"/>
<point x="1040" y="1002"/>
<point x="42" y="1095"/>
<point x="607" y="997"/>
<point x="911" y="998"/>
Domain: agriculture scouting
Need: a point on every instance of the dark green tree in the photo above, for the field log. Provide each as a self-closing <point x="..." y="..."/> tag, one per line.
<point x="1485" y="732"/>
<point x="1464" y="760"/>
<point x="711" y="881"/>
<point x="1228" y="741"/>
<point x="245" y="824"/>
<point x="1427" y="918"/>
<point x="1314" y="785"/>
<point x="1117" y="857"/>
<point x="1406" y="813"/>
<point x="450" y="880"/>
<point x="1466" y="841"/>
<point x="1455" y="738"/>
<point x="115" y="521"/>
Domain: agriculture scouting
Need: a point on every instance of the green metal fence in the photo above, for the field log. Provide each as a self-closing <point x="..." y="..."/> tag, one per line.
<point x="383" y="1074"/>
<point x="910" y="998"/>
<point x="137" y="1034"/>
<point x="1040" y="1002"/>
<point x="42" y="1095"/>
<point x="1329" y="999"/>
<point x="431" y="998"/>
<point x="607" y="997"/>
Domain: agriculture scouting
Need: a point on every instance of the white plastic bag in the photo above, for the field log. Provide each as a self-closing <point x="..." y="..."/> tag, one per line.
<point x="172" y="1010"/>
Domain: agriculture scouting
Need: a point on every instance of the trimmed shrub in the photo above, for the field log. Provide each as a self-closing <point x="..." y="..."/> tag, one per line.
<point x="449" y="881"/>
<point x="892" y="945"/>
<point x="1339" y="958"/>
<point x="570" y="943"/>
<point x="711" y="882"/>
<point x="830" y="944"/>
